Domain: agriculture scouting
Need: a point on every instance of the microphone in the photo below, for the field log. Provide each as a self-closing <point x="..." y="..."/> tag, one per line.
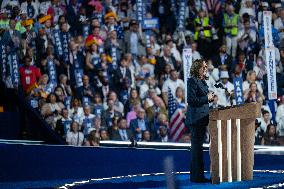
<point x="219" y="85"/>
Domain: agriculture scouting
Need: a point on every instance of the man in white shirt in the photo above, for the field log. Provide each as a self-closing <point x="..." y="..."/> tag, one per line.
<point x="173" y="83"/>
<point x="246" y="36"/>
<point x="224" y="94"/>
<point x="195" y="54"/>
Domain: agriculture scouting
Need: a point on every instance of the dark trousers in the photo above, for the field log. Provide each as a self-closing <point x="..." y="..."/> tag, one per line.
<point x="197" y="165"/>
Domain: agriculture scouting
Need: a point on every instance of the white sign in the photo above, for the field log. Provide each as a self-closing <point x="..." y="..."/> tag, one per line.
<point x="271" y="73"/>
<point x="267" y="15"/>
<point x="187" y="62"/>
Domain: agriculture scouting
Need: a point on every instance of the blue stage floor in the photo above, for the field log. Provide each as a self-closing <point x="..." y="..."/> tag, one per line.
<point x="261" y="179"/>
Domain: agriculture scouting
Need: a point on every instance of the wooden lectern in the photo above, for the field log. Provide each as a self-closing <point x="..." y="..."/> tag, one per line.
<point x="237" y="155"/>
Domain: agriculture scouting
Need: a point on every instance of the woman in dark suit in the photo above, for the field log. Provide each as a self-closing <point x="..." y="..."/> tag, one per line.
<point x="197" y="117"/>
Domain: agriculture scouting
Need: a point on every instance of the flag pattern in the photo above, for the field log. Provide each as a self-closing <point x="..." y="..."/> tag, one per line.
<point x="176" y="118"/>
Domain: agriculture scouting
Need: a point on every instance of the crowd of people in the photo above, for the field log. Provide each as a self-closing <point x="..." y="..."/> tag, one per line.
<point x="95" y="73"/>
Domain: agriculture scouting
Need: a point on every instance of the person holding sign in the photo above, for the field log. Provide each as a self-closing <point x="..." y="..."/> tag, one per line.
<point x="197" y="117"/>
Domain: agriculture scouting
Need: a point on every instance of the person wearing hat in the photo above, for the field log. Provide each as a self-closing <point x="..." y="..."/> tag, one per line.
<point x="29" y="34"/>
<point x="224" y="93"/>
<point x="111" y="24"/>
<point x="92" y="54"/>
<point x="135" y="40"/>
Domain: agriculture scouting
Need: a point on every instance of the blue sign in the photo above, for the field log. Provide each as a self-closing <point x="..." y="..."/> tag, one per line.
<point x="51" y="71"/>
<point x="86" y="101"/>
<point x="67" y="102"/>
<point x="181" y="17"/>
<point x="238" y="89"/>
<point x="50" y="87"/>
<point x="14" y="68"/>
<point x="140" y="10"/>
<point x="150" y="23"/>
<point x="113" y="56"/>
<point x="57" y="43"/>
<point x="78" y="77"/>
<point x="86" y="29"/>
<point x="3" y="59"/>
<point x="65" y="38"/>
<point x="174" y="8"/>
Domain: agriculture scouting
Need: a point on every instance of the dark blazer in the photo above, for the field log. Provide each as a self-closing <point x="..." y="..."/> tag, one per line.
<point x="81" y="91"/>
<point x="134" y="125"/>
<point x="228" y="61"/>
<point x="106" y="117"/>
<point x="198" y="105"/>
<point x="161" y="63"/>
<point x="119" y="49"/>
<point x="73" y="19"/>
<point x="7" y="40"/>
<point x="117" y="78"/>
<point x="40" y="48"/>
<point x="115" y="135"/>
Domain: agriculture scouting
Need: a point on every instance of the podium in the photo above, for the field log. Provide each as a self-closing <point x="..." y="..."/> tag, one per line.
<point x="232" y="135"/>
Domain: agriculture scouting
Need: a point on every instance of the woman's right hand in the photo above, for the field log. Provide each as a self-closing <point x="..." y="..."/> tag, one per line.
<point x="210" y="96"/>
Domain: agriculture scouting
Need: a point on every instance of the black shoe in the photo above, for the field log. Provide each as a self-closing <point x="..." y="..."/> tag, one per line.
<point x="203" y="180"/>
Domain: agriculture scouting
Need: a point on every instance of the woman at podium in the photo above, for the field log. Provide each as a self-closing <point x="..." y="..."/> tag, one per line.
<point x="197" y="117"/>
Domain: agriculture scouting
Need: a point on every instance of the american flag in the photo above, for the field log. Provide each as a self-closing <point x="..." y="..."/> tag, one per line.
<point x="177" y="127"/>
